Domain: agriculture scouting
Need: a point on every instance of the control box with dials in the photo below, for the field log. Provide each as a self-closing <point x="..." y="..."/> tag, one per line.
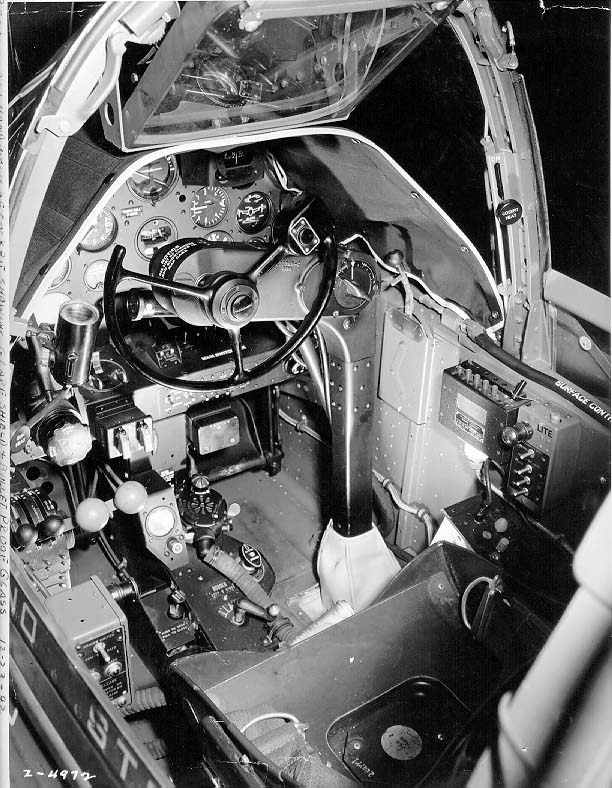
<point x="97" y="627"/>
<point x="536" y="442"/>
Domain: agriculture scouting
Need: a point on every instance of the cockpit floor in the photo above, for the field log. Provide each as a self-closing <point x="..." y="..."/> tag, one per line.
<point x="282" y="521"/>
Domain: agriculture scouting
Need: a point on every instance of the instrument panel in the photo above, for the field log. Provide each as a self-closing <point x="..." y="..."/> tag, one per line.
<point x="199" y="194"/>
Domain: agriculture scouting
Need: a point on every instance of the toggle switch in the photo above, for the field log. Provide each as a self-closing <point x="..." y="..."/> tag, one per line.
<point x="101" y="651"/>
<point x="526" y="469"/>
<point x="122" y="443"/>
<point x="144" y="434"/>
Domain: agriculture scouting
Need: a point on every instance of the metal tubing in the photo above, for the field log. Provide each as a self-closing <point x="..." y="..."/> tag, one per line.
<point x="75" y="337"/>
<point x="578" y="299"/>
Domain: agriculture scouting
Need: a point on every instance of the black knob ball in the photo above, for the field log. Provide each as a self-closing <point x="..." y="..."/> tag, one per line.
<point x="25" y="535"/>
<point x="51" y="526"/>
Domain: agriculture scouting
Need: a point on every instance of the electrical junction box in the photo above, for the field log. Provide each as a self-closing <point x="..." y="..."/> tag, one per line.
<point x="476" y="405"/>
<point x="210" y="431"/>
<point x="92" y="620"/>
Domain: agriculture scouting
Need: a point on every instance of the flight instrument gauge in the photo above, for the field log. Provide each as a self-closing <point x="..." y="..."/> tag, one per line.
<point x="94" y="274"/>
<point x="356" y="282"/>
<point x="154" y="180"/>
<point x="101" y="234"/>
<point x="209" y="206"/>
<point x="219" y="236"/>
<point x="61" y="274"/>
<point x="253" y="212"/>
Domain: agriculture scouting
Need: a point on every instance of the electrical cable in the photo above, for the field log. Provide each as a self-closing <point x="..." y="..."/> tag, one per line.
<point x="485" y="470"/>
<point x="438" y="299"/>
<point x="280" y="173"/>
<point x="256" y="758"/>
<point x="247" y="407"/>
<point x="273" y="715"/>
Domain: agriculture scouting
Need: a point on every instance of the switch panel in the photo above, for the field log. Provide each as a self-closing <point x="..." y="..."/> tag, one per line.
<point x="123" y="430"/>
<point x="97" y="627"/>
<point x="477" y="405"/>
<point x="542" y="469"/>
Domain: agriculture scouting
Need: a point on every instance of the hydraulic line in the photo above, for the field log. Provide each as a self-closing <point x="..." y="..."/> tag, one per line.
<point x="418" y="511"/>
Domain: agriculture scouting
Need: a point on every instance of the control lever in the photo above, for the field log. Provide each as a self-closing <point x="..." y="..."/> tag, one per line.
<point x="243" y="606"/>
<point x="92" y="514"/>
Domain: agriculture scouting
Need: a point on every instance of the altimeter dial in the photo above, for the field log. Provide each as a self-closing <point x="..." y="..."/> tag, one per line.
<point x="209" y="206"/>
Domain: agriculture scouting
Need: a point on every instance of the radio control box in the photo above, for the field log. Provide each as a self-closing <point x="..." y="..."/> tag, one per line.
<point x="476" y="405"/>
<point x="97" y="627"/>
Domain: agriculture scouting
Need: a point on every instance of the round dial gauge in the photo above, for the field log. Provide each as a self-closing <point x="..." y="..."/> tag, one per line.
<point x="94" y="274"/>
<point x="219" y="236"/>
<point x="101" y="234"/>
<point x="154" y="180"/>
<point x="160" y="521"/>
<point x="356" y="283"/>
<point x="209" y="206"/>
<point x="153" y="234"/>
<point x="61" y="273"/>
<point x="253" y="212"/>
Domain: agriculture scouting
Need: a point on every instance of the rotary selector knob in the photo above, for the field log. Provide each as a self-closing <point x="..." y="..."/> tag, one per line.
<point x="521" y="431"/>
<point x="199" y="505"/>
